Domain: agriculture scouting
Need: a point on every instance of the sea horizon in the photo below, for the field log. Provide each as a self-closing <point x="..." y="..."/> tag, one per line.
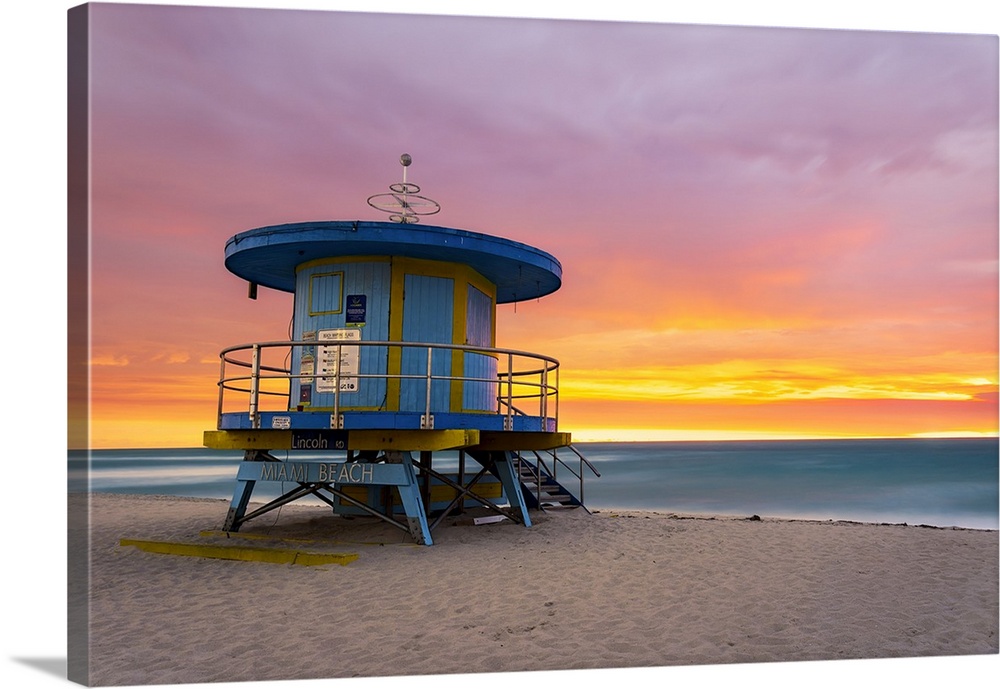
<point x="944" y="482"/>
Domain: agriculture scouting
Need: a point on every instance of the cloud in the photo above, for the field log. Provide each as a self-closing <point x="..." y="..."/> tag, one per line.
<point x="170" y="358"/>
<point x="109" y="360"/>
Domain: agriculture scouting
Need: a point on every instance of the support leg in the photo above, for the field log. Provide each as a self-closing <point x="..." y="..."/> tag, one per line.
<point x="238" y="507"/>
<point x="241" y="496"/>
<point x="503" y="461"/>
<point x="416" y="515"/>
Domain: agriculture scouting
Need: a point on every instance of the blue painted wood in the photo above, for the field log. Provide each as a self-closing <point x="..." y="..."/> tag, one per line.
<point x="428" y="316"/>
<point x="501" y="465"/>
<point x="479" y="332"/>
<point x="480" y="396"/>
<point x="238" y="505"/>
<point x="269" y="255"/>
<point x="325" y="293"/>
<point x="231" y="421"/>
<point x="356" y="473"/>
<point x="413" y="505"/>
<point x="371" y="279"/>
<point x="478" y="317"/>
<point x="402" y="475"/>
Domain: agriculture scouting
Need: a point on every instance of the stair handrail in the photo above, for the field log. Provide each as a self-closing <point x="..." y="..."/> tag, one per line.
<point x="541" y="466"/>
<point x="556" y="461"/>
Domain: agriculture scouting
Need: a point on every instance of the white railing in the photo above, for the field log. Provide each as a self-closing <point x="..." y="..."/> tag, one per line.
<point x="258" y="377"/>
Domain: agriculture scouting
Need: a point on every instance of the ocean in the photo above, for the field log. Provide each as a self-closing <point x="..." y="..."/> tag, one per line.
<point x="934" y="482"/>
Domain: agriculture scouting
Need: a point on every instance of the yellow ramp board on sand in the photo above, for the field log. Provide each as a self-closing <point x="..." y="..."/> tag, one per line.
<point x="246" y="554"/>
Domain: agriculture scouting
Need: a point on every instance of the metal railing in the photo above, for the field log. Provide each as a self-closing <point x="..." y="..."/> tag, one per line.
<point x="541" y="468"/>
<point x="527" y="384"/>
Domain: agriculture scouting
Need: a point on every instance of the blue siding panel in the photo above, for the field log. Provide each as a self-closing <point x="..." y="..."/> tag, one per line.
<point x="428" y="315"/>
<point x="479" y="396"/>
<point x="479" y="318"/>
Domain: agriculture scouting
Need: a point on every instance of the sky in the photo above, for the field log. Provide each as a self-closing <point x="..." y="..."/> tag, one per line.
<point x="764" y="232"/>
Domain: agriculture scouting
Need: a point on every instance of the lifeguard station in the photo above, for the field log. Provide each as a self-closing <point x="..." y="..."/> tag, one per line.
<point x="393" y="359"/>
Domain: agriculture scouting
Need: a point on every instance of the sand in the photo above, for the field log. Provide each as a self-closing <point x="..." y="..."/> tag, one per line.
<point x="607" y="590"/>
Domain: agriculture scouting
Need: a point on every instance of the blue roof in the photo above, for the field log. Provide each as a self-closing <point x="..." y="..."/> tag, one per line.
<point x="270" y="255"/>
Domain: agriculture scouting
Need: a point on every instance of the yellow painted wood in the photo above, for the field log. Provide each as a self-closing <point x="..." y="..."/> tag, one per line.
<point x="443" y="493"/>
<point x="360" y="493"/>
<point x="413" y="440"/>
<point x="463" y="276"/>
<point x="341" y="259"/>
<point x="263" y="439"/>
<point x="459" y="314"/>
<point x="339" y="300"/>
<point x="439" y="492"/>
<point x="243" y="553"/>
<point x="521" y="440"/>
<point x="394" y="364"/>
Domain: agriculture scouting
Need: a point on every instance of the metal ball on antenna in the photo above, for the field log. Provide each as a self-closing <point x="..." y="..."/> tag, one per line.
<point x="403" y="203"/>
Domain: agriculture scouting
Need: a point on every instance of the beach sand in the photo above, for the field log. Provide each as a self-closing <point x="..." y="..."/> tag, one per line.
<point x="577" y="590"/>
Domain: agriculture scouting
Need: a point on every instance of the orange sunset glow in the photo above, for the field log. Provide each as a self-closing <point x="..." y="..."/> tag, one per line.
<point x="764" y="233"/>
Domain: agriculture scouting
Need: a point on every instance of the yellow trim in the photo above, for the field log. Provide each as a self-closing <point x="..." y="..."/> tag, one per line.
<point x="361" y="439"/>
<point x="318" y="262"/>
<point x="360" y="493"/>
<point x="445" y="493"/>
<point x="340" y="296"/>
<point x="462" y="276"/>
<point x="244" y="553"/>
<point x="394" y="363"/>
<point x="459" y="319"/>
<point x="439" y="492"/>
<point x="522" y="440"/>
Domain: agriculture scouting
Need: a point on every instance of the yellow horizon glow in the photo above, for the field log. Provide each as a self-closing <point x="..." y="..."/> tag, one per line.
<point x="147" y="396"/>
<point x="715" y="383"/>
<point x="631" y="404"/>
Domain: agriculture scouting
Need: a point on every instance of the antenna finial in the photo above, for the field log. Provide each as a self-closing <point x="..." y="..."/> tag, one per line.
<point x="403" y="201"/>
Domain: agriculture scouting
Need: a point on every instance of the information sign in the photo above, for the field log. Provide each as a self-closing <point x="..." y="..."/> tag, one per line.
<point x="329" y="366"/>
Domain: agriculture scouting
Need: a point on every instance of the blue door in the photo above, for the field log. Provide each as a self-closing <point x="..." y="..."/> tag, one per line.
<point x="428" y="316"/>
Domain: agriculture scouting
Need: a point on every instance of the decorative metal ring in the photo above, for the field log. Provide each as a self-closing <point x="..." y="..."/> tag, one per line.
<point x="410" y="204"/>
<point x="404" y="188"/>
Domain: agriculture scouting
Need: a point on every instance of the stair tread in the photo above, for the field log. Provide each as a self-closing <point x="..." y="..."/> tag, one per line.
<point x="548" y="491"/>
